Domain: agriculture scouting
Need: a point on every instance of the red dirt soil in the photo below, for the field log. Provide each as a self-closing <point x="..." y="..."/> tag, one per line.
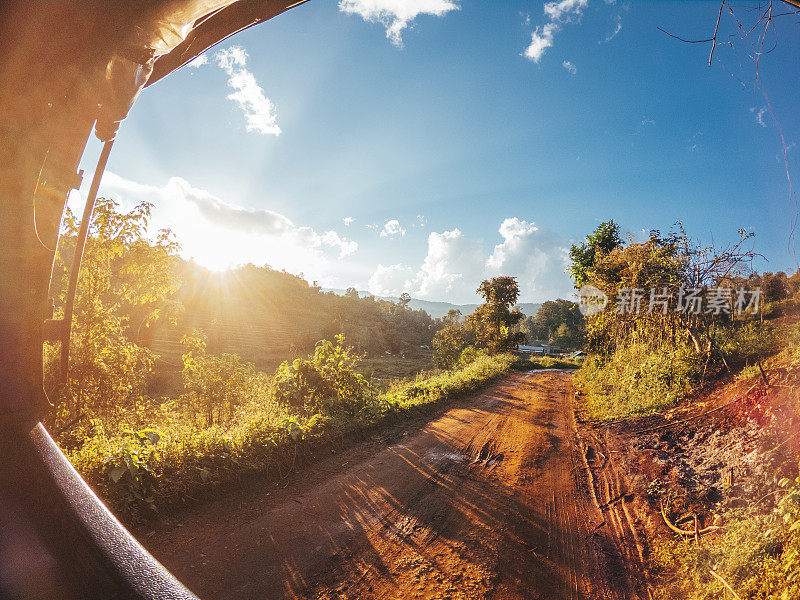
<point x="489" y="500"/>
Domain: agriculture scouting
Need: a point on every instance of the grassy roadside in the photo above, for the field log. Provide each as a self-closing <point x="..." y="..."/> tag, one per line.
<point x="143" y="472"/>
<point x="546" y="362"/>
<point x="756" y="498"/>
<point x="758" y="550"/>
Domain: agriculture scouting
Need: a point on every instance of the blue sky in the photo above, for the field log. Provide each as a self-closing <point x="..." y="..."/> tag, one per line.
<point x="464" y="139"/>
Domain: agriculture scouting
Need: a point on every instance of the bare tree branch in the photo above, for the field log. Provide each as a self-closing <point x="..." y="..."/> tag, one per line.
<point x="672" y="35"/>
<point x="716" y="29"/>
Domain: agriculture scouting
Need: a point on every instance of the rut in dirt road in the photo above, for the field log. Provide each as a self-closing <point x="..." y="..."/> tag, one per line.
<point x="490" y="500"/>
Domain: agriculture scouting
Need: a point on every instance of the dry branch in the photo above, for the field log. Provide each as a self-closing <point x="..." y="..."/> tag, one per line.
<point x="725" y="583"/>
<point x="696" y="533"/>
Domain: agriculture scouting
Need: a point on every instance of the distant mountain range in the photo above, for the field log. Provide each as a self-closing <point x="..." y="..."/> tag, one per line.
<point x="439" y="309"/>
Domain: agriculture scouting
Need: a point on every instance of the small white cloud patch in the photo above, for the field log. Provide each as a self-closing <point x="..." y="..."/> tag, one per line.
<point x="760" y="116"/>
<point x="569" y="67"/>
<point x="258" y="109"/>
<point x="392" y="228"/>
<point x="348" y="221"/>
<point x="613" y="34"/>
<point x="396" y="15"/>
<point x="558" y="13"/>
<point x="198" y="62"/>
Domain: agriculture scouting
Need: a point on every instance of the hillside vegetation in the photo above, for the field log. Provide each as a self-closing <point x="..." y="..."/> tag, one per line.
<point x="678" y="315"/>
<point x="183" y="381"/>
<point x="681" y="320"/>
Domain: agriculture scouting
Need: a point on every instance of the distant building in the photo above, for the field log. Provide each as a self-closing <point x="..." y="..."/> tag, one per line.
<point x="540" y="350"/>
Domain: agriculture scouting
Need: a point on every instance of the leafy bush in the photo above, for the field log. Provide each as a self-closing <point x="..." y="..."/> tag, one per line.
<point x="758" y="555"/>
<point x="216" y="385"/>
<point x="450" y="342"/>
<point x="744" y="344"/>
<point x="548" y="362"/>
<point x="328" y="381"/>
<point x="423" y="390"/>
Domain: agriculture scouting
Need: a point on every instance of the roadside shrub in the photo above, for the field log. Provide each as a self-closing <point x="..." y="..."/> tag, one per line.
<point x="327" y="382"/>
<point x="469" y="355"/>
<point x="188" y="461"/>
<point x="758" y="555"/>
<point x="747" y="343"/>
<point x="637" y="380"/>
<point x="450" y="342"/>
<point x="424" y="390"/>
<point x="548" y="362"/>
<point x="215" y="385"/>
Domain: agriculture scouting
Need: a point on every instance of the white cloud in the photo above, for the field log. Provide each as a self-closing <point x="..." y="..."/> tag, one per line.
<point x="564" y="10"/>
<point x="452" y="267"/>
<point x="396" y="15"/>
<point x="348" y="221"/>
<point x="537" y="257"/>
<point x="455" y="264"/>
<point x="760" y="116"/>
<point x="198" y="62"/>
<point x="249" y="221"/>
<point x="541" y="40"/>
<point x="391" y="281"/>
<point x="617" y="29"/>
<point x="421" y="221"/>
<point x="220" y="235"/>
<point x="346" y="247"/>
<point x="258" y="109"/>
<point x="558" y="13"/>
<point x="569" y="67"/>
<point x="392" y="228"/>
<point x="647" y="121"/>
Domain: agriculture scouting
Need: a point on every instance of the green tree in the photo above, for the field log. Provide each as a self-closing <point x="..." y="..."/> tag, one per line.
<point x="450" y="342"/>
<point x="558" y="322"/>
<point x="493" y="320"/>
<point x="452" y="317"/>
<point x="582" y="258"/>
<point x="126" y="280"/>
<point x="214" y="385"/>
<point x="775" y="287"/>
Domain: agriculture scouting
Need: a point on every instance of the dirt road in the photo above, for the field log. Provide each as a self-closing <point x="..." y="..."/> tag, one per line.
<point x="490" y="500"/>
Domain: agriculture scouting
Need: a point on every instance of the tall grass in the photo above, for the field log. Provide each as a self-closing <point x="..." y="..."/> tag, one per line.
<point x="637" y="380"/>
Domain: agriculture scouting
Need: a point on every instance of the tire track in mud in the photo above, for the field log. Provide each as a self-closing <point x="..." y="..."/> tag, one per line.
<point x="493" y="499"/>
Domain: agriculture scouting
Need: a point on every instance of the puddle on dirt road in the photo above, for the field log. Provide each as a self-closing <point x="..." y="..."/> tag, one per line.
<point x="535" y="371"/>
<point x="435" y="454"/>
